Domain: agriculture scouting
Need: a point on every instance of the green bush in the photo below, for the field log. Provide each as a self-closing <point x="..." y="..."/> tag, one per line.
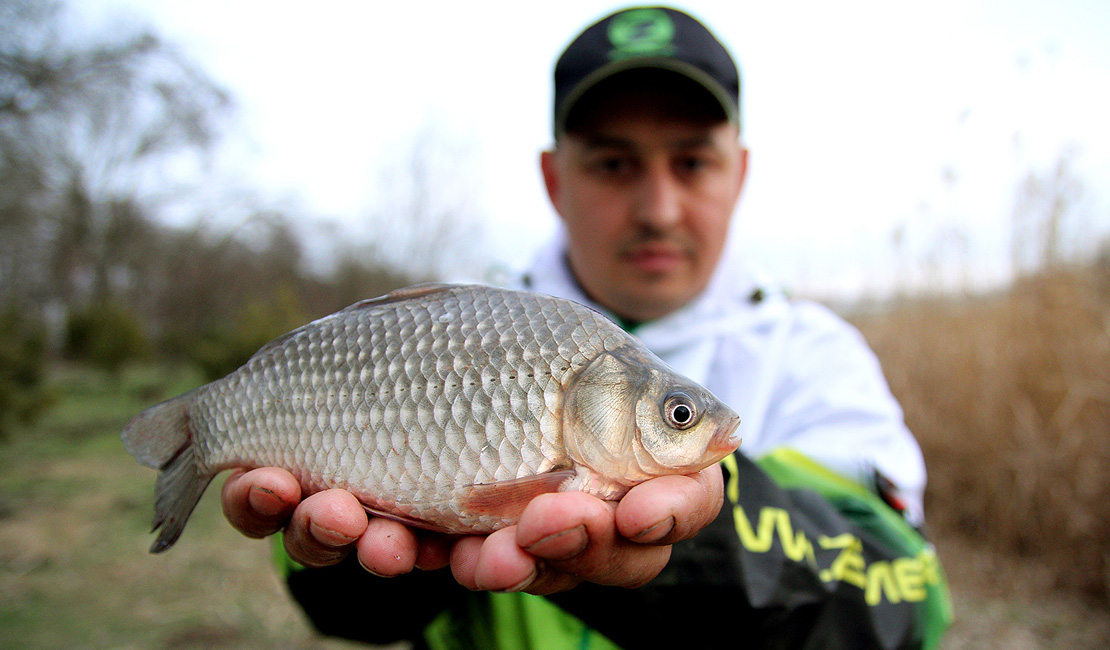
<point x="106" y="336"/>
<point x="23" y="393"/>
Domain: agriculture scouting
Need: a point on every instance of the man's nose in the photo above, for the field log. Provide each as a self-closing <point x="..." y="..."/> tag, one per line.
<point x="658" y="203"/>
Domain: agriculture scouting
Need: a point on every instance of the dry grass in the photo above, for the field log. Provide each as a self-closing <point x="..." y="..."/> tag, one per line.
<point x="1009" y="396"/>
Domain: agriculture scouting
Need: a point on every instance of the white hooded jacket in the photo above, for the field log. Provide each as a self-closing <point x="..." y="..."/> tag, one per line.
<point x="798" y="375"/>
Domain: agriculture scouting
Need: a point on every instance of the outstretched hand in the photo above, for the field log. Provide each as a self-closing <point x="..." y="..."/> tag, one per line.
<point x="561" y="540"/>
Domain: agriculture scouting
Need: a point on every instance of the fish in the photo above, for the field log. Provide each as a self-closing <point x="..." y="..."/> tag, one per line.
<point x="447" y="407"/>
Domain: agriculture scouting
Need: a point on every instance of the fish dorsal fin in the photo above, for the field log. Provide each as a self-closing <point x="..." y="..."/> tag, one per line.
<point x="407" y="293"/>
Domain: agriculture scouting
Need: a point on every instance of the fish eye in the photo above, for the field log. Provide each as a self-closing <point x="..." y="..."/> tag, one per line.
<point x="680" y="411"/>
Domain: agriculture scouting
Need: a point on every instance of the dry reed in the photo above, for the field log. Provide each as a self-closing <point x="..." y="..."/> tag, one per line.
<point x="1009" y="396"/>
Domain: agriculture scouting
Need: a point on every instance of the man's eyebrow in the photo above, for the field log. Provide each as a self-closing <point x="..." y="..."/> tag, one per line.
<point x="602" y="141"/>
<point x="693" y="142"/>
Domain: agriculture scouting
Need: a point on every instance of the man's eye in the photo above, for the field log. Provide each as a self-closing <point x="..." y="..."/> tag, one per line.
<point x="692" y="164"/>
<point x="612" y="165"/>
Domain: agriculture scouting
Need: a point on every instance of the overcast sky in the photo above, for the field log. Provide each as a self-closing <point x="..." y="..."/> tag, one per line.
<point x="888" y="139"/>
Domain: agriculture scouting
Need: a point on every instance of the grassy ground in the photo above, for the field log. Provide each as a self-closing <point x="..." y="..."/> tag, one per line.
<point x="1007" y="603"/>
<point x="74" y="571"/>
<point x="74" y="529"/>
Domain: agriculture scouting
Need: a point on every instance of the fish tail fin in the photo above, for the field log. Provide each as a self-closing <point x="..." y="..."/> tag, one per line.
<point x="162" y="437"/>
<point x="177" y="492"/>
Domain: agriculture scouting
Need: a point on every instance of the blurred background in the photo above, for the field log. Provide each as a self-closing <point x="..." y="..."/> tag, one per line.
<point x="182" y="180"/>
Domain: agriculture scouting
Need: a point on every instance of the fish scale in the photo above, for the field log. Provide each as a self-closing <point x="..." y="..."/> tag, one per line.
<point x="443" y="406"/>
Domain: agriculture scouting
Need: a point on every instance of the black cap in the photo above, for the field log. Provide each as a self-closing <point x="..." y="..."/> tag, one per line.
<point x="645" y="37"/>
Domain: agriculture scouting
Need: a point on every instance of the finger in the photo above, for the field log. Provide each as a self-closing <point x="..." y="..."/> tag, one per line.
<point x="434" y="550"/>
<point x="576" y="538"/>
<point x="464" y="560"/>
<point x="558" y="526"/>
<point x="324" y="528"/>
<point x="502" y="565"/>
<point x="259" y="502"/>
<point x="497" y="563"/>
<point x="387" y="548"/>
<point x="670" y="508"/>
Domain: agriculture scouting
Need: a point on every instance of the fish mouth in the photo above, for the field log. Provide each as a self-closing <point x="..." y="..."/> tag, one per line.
<point x="726" y="438"/>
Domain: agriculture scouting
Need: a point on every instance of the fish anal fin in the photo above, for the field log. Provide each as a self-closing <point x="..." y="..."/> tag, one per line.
<point x="406" y="520"/>
<point x="508" y="498"/>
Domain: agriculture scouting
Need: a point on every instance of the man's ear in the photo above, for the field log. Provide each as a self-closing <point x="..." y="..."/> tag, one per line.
<point x="549" y="168"/>
<point x="743" y="171"/>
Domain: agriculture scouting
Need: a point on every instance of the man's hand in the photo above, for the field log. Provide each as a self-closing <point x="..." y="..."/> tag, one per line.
<point x="325" y="527"/>
<point x="562" y="539"/>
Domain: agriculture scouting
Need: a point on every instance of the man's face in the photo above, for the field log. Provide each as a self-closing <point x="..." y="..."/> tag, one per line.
<point x="646" y="194"/>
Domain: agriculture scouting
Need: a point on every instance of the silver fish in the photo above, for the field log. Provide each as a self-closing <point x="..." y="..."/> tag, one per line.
<point x="446" y="407"/>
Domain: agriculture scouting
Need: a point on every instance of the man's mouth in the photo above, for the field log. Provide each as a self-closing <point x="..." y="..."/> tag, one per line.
<point x="655" y="257"/>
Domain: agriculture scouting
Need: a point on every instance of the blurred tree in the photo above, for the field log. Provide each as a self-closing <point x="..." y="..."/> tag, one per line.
<point x="427" y="221"/>
<point x="355" y="278"/>
<point x="91" y="129"/>
<point x="102" y="135"/>
<point x="209" y="275"/>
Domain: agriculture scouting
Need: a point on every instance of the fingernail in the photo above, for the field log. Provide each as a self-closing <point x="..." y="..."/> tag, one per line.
<point x="562" y="545"/>
<point x="265" y="502"/>
<point x="328" y="536"/>
<point x="371" y="571"/>
<point x="656" y="532"/>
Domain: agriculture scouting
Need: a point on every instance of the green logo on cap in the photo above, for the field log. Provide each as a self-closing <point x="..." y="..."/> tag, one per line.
<point x="641" y="32"/>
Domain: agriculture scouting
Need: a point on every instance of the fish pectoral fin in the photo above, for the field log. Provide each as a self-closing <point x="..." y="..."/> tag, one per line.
<point x="508" y="498"/>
